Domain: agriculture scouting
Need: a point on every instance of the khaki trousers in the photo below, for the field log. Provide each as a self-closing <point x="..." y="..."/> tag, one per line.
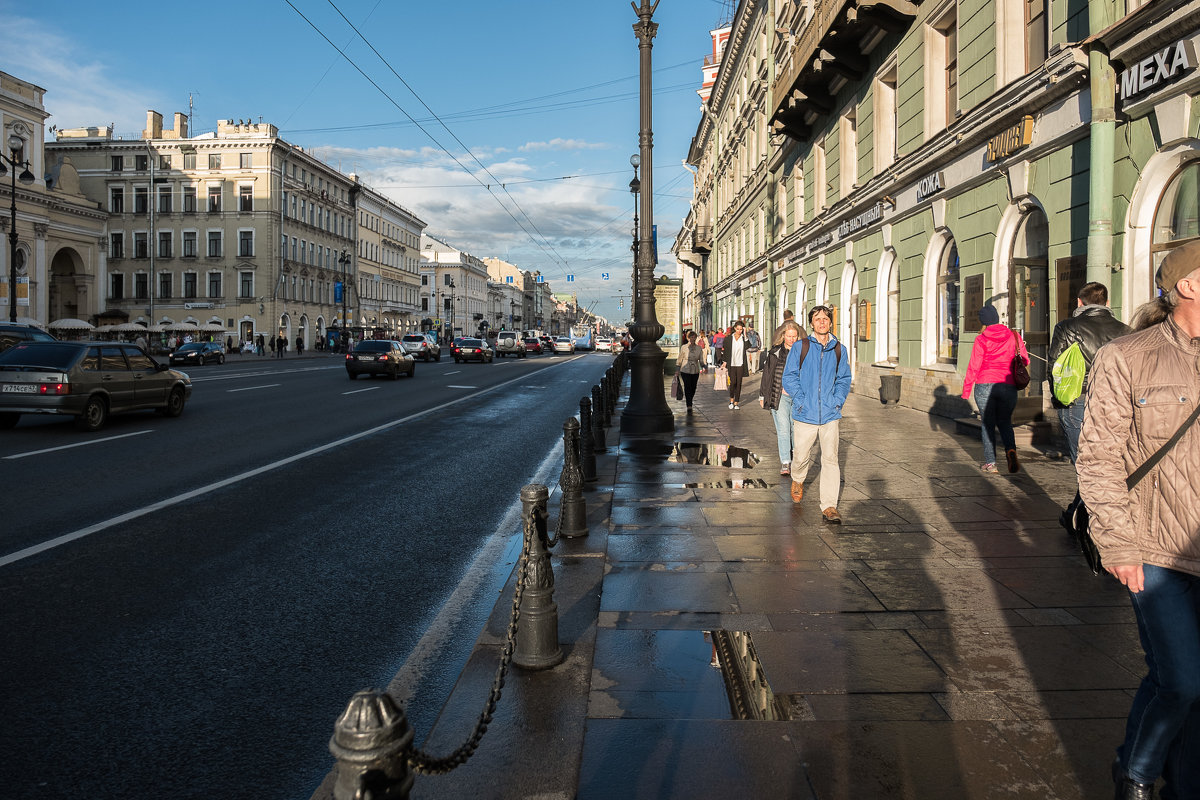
<point x="831" y="474"/>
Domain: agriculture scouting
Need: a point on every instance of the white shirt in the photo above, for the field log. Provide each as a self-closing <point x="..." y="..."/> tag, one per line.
<point x="735" y="353"/>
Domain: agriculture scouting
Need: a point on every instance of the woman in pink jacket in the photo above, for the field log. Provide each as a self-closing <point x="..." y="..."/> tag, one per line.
<point x="989" y="373"/>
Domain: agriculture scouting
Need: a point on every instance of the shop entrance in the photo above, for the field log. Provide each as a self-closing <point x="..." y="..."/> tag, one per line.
<point x="1028" y="292"/>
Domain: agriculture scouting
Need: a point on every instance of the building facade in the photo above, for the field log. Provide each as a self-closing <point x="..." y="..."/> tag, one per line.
<point x="458" y="283"/>
<point x="389" y="259"/>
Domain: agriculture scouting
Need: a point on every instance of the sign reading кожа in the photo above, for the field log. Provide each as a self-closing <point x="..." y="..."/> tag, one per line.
<point x="1157" y="68"/>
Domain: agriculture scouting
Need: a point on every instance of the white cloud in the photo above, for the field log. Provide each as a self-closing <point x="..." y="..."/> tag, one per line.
<point x="561" y="144"/>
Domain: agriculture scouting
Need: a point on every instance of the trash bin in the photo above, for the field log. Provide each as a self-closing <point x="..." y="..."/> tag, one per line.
<point x="889" y="389"/>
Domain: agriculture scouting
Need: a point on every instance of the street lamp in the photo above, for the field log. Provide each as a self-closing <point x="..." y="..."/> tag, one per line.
<point x="452" y="308"/>
<point x="15" y="143"/>
<point x="647" y="411"/>
<point x="344" y="262"/>
<point x="512" y="310"/>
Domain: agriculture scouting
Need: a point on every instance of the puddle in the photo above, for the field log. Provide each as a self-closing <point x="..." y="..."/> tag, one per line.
<point x="749" y="694"/>
<point x="717" y="455"/>
<point x="747" y="483"/>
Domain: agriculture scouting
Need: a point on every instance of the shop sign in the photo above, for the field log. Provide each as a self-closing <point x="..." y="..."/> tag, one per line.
<point x="1169" y="63"/>
<point x="849" y="226"/>
<point x="1010" y="140"/>
<point x="821" y="241"/>
<point x="930" y="185"/>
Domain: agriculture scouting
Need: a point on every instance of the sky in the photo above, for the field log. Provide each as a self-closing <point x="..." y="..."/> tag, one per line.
<point x="506" y="126"/>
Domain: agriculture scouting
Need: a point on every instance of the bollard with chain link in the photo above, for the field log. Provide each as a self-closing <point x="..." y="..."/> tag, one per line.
<point x="371" y="742"/>
<point x="537" y="637"/>
<point x="604" y="395"/>
<point x="572" y="509"/>
<point x="587" y="443"/>
<point x="598" y="437"/>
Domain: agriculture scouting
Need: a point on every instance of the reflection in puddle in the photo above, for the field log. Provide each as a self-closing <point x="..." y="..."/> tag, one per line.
<point x="745" y="483"/>
<point x="750" y="696"/>
<point x="717" y="455"/>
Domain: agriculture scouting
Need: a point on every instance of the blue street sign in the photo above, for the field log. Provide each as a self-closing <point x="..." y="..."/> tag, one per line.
<point x="604" y="276"/>
<point x="508" y="278"/>
<point x="570" y="279"/>
<point x="541" y="278"/>
<point x="337" y="292"/>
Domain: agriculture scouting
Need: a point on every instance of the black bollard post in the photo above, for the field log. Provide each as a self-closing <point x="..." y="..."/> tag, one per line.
<point x="371" y="742"/>
<point x="598" y="421"/>
<point x="587" y="443"/>
<point x="604" y="395"/>
<point x="537" y="632"/>
<point x="614" y="388"/>
<point x="572" y="509"/>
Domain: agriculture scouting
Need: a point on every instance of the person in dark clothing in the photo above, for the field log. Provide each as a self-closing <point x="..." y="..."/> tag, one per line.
<point x="691" y="364"/>
<point x="771" y="394"/>
<point x="280" y="345"/>
<point x="733" y="356"/>
<point x="299" y="345"/>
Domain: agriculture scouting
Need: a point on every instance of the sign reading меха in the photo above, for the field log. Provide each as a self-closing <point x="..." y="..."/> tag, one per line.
<point x="1157" y="68"/>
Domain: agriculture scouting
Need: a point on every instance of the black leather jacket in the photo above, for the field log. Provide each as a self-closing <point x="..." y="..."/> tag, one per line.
<point x="1091" y="326"/>
<point x="771" y="385"/>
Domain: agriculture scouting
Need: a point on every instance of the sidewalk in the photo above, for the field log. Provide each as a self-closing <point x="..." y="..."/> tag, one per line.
<point x="945" y="642"/>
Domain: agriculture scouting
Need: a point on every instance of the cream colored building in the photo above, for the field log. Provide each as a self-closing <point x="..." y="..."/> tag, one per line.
<point x="389" y="259"/>
<point x="457" y="282"/>
<point x="60" y="232"/>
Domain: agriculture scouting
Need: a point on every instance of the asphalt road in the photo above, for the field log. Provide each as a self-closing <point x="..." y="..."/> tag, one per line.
<point x="186" y="605"/>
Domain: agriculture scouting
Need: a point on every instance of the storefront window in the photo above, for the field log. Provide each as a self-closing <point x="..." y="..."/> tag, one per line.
<point x="947" y="305"/>
<point x="1177" y="220"/>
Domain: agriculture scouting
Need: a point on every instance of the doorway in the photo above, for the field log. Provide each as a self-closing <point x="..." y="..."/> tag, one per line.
<point x="1029" y="292"/>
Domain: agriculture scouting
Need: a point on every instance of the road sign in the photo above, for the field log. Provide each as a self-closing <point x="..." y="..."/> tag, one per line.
<point x="604" y="276"/>
<point x="541" y="278"/>
<point x="508" y="278"/>
<point x="570" y="279"/>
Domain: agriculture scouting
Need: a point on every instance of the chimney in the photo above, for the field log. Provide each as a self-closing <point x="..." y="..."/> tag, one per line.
<point x="153" y="125"/>
<point x="181" y="120"/>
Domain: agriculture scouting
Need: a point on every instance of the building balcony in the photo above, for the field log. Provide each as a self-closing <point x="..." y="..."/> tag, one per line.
<point x="702" y="239"/>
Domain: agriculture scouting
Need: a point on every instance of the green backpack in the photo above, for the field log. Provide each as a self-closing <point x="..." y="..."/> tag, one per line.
<point x="1068" y="372"/>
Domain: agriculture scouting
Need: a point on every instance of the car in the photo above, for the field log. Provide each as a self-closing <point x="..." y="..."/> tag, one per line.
<point x="547" y="343"/>
<point x="380" y="357"/>
<point x="533" y="346"/>
<point x="471" y="350"/>
<point x="422" y="346"/>
<point x="197" y="354"/>
<point x="604" y="344"/>
<point x="11" y="333"/>
<point x="510" y="343"/>
<point x="86" y="380"/>
<point x="563" y="344"/>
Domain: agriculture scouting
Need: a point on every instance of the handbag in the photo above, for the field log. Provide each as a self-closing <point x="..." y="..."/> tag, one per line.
<point x="676" y="388"/>
<point x="721" y="379"/>
<point x="1020" y="372"/>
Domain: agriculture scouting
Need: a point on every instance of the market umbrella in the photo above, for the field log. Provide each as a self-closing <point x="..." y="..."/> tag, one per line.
<point x="71" y="325"/>
<point x="130" y="327"/>
<point x="30" y="321"/>
<point x="182" y="326"/>
<point x="213" y="327"/>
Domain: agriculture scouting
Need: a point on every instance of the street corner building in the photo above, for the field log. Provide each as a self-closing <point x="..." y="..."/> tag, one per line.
<point x="909" y="163"/>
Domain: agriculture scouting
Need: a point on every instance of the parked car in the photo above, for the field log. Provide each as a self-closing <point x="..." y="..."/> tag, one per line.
<point x="197" y="354"/>
<point x="380" y="357"/>
<point x="510" y="343"/>
<point x="563" y="344"/>
<point x="11" y="333"/>
<point x="87" y="380"/>
<point x="422" y="346"/>
<point x="471" y="350"/>
<point x="533" y="346"/>
<point x="604" y="344"/>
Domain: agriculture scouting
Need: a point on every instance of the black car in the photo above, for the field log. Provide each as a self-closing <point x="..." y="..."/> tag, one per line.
<point x="198" y="353"/>
<point x="380" y="357"/>
<point x="11" y="333"/>
<point x="471" y="350"/>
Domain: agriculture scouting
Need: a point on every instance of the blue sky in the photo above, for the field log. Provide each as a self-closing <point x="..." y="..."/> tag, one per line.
<point x="541" y="94"/>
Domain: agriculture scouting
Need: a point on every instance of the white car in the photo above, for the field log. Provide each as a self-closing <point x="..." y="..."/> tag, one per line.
<point x="604" y="345"/>
<point x="563" y="344"/>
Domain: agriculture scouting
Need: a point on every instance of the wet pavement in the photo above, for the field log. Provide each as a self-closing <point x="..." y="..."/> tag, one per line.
<point x="946" y="641"/>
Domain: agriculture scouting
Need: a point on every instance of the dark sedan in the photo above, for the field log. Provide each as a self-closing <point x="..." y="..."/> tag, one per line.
<point x="472" y="350"/>
<point x="380" y="357"/>
<point x="197" y="353"/>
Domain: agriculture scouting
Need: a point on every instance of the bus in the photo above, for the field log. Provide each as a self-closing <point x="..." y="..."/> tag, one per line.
<point x="583" y="337"/>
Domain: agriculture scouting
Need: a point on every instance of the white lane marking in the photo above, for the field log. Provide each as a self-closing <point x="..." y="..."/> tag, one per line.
<point x="237" y="376"/>
<point x="251" y="388"/>
<point x="452" y="386"/>
<point x="356" y="391"/>
<point x="455" y="372"/>
<point x="66" y="538"/>
<point x="533" y="387"/>
<point x="77" y="444"/>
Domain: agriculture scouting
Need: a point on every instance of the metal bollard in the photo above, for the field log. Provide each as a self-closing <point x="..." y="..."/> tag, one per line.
<point x="604" y="394"/>
<point x="371" y="742"/>
<point x="537" y="634"/>
<point x="572" y="509"/>
<point x="587" y="443"/>
<point x="614" y="389"/>
<point x="598" y="437"/>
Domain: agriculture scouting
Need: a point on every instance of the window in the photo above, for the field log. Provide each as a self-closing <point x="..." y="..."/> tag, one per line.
<point x="116" y="199"/>
<point x="189" y="160"/>
<point x="214" y="284"/>
<point x="164" y="199"/>
<point x="951" y="34"/>
<point x="189" y="199"/>
<point x="189" y="244"/>
<point x="118" y="163"/>
<point x="116" y="283"/>
<point x="214" y="198"/>
<point x="245" y="198"/>
<point x="819" y="187"/>
<point x="893" y="312"/>
<point x="1035" y="34"/>
<point x="141" y="163"/>
<point x="447" y="278"/>
<point x="424" y="280"/>
<point x="164" y="162"/>
<point x="141" y="286"/>
<point x="885" y="119"/>
<point x="246" y="244"/>
<point x="140" y="245"/>
<point x="214" y="160"/>
<point x="293" y="248"/>
<point x="189" y="285"/>
<point x="214" y="244"/>
<point x="849" y="151"/>
<point x="947" y="305"/>
<point x="247" y="290"/>
<point x="245" y="160"/>
<point x="424" y="303"/>
<point x="116" y="245"/>
<point x="141" y="199"/>
<point x="164" y="285"/>
<point x="1177" y="218"/>
<point x="164" y="244"/>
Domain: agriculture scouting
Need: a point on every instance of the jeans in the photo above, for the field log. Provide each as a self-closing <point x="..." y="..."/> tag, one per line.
<point x="996" y="402"/>
<point x="1071" y="420"/>
<point x="1162" y="735"/>
<point x="784" y="434"/>
<point x="831" y="473"/>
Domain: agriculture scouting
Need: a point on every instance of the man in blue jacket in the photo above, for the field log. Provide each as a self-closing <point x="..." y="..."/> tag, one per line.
<point x="817" y="376"/>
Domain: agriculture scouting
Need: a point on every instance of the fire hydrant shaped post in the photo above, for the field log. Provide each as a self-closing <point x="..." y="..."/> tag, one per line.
<point x="371" y="742"/>
<point x="537" y="631"/>
<point x="572" y="509"/>
<point x="598" y="436"/>
<point x="587" y="442"/>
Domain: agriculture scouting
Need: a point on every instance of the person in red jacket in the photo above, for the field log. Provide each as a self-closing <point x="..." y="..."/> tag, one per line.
<point x="989" y="374"/>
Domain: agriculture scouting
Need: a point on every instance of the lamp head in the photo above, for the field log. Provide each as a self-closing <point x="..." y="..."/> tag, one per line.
<point x="635" y="160"/>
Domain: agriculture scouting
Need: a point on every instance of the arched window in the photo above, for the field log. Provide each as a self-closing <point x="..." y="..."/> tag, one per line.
<point x="893" y="314"/>
<point x="1177" y="218"/>
<point x="947" y="304"/>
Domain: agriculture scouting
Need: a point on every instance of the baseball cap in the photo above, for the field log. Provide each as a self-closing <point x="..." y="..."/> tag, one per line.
<point x="1179" y="263"/>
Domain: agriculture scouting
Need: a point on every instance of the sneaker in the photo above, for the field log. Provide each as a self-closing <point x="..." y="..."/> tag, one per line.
<point x="831" y="516"/>
<point x="1013" y="464"/>
<point x="736" y="407"/>
<point x="731" y="406"/>
<point x="989" y="467"/>
<point x="786" y="469"/>
<point x="797" y="491"/>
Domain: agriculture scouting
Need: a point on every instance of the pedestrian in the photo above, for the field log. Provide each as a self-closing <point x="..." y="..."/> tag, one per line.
<point x="990" y="378"/>
<point x="1141" y="390"/>
<point x="771" y="395"/>
<point x="788" y="316"/>
<point x="299" y="345"/>
<point x="280" y="345"/>
<point x="753" y="346"/>
<point x="690" y="364"/>
<point x="259" y="346"/>
<point x="733" y="356"/>
<point x="718" y="343"/>
<point x="817" y="376"/>
<point x="274" y="343"/>
<point x="228" y="344"/>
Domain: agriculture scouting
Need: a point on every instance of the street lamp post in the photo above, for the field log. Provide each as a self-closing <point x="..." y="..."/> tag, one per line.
<point x="344" y="262"/>
<point x="452" y="309"/>
<point x="647" y="412"/>
<point x="14" y="145"/>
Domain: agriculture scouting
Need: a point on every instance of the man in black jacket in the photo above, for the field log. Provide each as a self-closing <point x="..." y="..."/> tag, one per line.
<point x="1093" y="325"/>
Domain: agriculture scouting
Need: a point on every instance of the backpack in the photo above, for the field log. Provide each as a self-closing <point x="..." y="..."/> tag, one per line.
<point x="1068" y="372"/>
<point x="804" y="353"/>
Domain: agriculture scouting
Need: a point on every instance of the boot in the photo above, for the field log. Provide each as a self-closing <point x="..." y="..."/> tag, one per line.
<point x="1128" y="789"/>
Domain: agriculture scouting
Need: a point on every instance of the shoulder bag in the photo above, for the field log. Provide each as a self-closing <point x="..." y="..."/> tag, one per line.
<point x="1020" y="371"/>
